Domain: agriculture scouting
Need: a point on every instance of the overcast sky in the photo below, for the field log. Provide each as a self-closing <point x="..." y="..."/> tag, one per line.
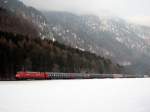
<point x="134" y="10"/>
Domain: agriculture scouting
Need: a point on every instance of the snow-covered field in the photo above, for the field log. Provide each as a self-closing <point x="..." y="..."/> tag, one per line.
<point x="97" y="95"/>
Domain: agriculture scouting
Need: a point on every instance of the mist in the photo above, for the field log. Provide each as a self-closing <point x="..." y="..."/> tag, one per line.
<point x="134" y="10"/>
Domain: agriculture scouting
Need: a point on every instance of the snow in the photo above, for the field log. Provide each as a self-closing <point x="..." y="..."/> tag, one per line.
<point x="67" y="31"/>
<point x="60" y="34"/>
<point x="119" y="39"/>
<point x="54" y="40"/>
<point x="97" y="95"/>
<point x="125" y="63"/>
<point x="5" y="1"/>
<point x="81" y="49"/>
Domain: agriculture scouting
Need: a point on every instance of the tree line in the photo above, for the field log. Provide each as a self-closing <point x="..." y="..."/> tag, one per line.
<point x="19" y="52"/>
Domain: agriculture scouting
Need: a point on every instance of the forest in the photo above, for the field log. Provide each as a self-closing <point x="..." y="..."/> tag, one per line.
<point x="23" y="53"/>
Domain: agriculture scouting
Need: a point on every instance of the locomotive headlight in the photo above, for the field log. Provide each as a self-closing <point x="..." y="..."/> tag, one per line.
<point x="17" y="75"/>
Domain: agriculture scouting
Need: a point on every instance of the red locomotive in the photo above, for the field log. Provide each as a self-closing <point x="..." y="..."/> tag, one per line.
<point x="31" y="75"/>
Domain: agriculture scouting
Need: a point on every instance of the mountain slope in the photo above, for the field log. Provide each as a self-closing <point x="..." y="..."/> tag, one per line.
<point x="22" y="49"/>
<point x="20" y="52"/>
<point x="114" y="38"/>
<point x="10" y="22"/>
<point x="28" y="13"/>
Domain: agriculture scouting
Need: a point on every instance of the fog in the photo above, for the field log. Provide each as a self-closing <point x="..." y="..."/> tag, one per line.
<point x="134" y="10"/>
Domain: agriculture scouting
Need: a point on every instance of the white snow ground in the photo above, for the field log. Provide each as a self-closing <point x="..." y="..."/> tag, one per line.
<point x="97" y="95"/>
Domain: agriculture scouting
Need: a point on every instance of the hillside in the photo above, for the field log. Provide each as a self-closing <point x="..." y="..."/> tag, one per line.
<point x="30" y="14"/>
<point x="28" y="43"/>
<point x="20" y="52"/>
<point x="111" y="37"/>
<point x="10" y="22"/>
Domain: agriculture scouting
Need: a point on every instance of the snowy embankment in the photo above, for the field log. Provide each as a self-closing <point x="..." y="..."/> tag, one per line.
<point x="97" y="95"/>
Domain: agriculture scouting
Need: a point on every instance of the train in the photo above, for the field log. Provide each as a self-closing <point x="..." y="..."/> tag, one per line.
<point x="52" y="75"/>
